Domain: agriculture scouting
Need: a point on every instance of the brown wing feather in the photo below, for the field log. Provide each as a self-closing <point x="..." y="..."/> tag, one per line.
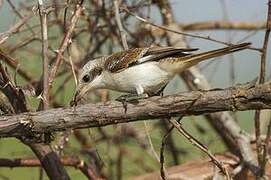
<point x="159" y="53"/>
<point x="159" y="50"/>
<point x="121" y="60"/>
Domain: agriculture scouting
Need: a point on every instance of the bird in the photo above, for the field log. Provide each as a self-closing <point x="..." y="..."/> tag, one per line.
<point x="142" y="71"/>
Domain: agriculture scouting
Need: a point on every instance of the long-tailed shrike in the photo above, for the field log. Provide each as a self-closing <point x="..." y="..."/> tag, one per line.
<point x="144" y="71"/>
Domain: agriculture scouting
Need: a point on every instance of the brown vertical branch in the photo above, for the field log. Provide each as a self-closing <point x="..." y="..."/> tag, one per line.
<point x="163" y="173"/>
<point x="257" y="135"/>
<point x="229" y="40"/>
<point x="257" y="114"/>
<point x="125" y="46"/>
<point x="45" y="61"/>
<point x="170" y="142"/>
<point x="48" y="158"/>
<point x="223" y="122"/>
<point x="122" y="31"/>
<point x="65" y="42"/>
<point x="44" y="103"/>
<point x="15" y="95"/>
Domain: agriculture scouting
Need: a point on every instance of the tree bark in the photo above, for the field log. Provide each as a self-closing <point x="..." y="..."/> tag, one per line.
<point x="238" y="98"/>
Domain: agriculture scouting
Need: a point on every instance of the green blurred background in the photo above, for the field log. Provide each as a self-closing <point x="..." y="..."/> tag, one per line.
<point x="186" y="11"/>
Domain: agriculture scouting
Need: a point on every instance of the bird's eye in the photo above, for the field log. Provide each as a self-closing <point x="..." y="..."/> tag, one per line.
<point x="86" y="78"/>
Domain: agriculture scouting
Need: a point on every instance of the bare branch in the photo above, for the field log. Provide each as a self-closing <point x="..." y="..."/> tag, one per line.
<point x="66" y="161"/>
<point x="5" y="35"/>
<point x="264" y="158"/>
<point x="122" y="31"/>
<point x="13" y="63"/>
<point x="49" y="160"/>
<point x="21" y="16"/>
<point x="238" y="98"/>
<point x="202" y="147"/>
<point x="65" y="42"/>
<point x="208" y="38"/>
<point x="223" y="25"/>
<point x="45" y="94"/>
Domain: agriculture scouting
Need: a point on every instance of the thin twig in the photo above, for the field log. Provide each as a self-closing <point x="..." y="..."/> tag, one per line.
<point x="72" y="67"/>
<point x="223" y="25"/>
<point x="65" y="42"/>
<point x="162" y="157"/>
<point x="5" y="35"/>
<point x="150" y="141"/>
<point x="179" y="32"/>
<point x="162" y="149"/>
<point x="66" y="161"/>
<point x="203" y="148"/>
<point x="13" y="63"/>
<point x="20" y="16"/>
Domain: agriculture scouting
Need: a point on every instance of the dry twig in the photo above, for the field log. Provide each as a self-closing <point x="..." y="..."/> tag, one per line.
<point x="122" y="31"/>
<point x="262" y="158"/>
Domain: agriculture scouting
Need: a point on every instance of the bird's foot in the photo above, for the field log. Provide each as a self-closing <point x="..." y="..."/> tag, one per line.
<point x="131" y="97"/>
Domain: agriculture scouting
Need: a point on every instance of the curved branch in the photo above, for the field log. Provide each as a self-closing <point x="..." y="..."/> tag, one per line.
<point x="238" y="98"/>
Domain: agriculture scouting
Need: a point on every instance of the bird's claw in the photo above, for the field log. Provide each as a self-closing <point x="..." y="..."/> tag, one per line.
<point x="124" y="99"/>
<point x="131" y="97"/>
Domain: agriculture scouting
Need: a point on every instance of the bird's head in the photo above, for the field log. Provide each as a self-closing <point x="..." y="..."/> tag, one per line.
<point x="89" y="78"/>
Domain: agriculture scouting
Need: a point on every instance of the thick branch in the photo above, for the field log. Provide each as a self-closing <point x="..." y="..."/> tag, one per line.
<point x="49" y="160"/>
<point x="239" y="98"/>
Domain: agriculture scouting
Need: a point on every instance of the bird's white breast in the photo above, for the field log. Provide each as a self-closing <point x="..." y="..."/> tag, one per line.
<point x="147" y="75"/>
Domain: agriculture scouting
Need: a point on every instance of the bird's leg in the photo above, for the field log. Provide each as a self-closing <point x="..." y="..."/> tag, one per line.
<point x="160" y="92"/>
<point x="140" y="93"/>
<point x="125" y="97"/>
<point x="131" y="97"/>
<point x="134" y="97"/>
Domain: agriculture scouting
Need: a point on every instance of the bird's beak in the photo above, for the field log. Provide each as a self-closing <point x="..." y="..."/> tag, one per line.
<point x="76" y="98"/>
<point x="80" y="91"/>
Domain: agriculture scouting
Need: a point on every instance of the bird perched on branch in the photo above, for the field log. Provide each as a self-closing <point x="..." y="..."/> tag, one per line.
<point x="142" y="71"/>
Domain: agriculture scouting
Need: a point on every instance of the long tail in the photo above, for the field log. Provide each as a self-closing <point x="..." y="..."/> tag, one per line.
<point x="193" y="59"/>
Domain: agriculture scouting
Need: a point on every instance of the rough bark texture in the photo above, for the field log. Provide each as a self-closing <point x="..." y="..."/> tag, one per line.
<point x="239" y="98"/>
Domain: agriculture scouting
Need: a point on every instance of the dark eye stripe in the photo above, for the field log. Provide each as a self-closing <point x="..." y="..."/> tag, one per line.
<point x="96" y="71"/>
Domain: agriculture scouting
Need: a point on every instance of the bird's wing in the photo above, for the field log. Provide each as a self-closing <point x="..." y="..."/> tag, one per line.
<point x="122" y="60"/>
